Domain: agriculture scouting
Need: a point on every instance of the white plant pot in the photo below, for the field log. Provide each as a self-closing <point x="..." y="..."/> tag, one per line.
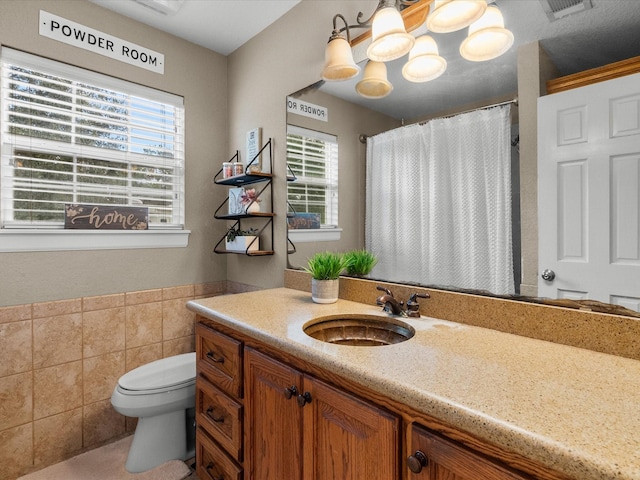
<point x="253" y="208"/>
<point x="325" y="291"/>
<point x="243" y="244"/>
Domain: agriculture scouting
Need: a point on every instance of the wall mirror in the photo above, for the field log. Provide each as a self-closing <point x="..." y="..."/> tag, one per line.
<point x="570" y="45"/>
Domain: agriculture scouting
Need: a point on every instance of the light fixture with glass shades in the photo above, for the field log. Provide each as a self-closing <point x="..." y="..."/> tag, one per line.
<point x="374" y="83"/>
<point x="487" y="39"/>
<point x="452" y="15"/>
<point x="424" y="61"/>
<point x="390" y="40"/>
<point x="339" y="64"/>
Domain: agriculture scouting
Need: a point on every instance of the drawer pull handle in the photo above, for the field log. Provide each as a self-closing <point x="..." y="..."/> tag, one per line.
<point x="417" y="461"/>
<point x="219" y="419"/>
<point x="289" y="392"/>
<point x="209" y="467"/>
<point x="303" y="399"/>
<point x="212" y="356"/>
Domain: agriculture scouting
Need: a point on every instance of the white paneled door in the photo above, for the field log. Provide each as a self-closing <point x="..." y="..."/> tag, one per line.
<point x="588" y="193"/>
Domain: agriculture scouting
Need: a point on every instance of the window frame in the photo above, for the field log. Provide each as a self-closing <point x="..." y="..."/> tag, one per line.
<point x="52" y="237"/>
<point x="327" y="231"/>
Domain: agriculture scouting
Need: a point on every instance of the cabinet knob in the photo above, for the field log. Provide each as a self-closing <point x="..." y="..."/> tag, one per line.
<point x="417" y="461"/>
<point x="304" y="398"/>
<point x="212" y="356"/>
<point x="290" y="391"/>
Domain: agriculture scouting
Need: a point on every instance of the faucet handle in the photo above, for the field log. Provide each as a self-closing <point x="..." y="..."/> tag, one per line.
<point x="384" y="289"/>
<point x="413" y="308"/>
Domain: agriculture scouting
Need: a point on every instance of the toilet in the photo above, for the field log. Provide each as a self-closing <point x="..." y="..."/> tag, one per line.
<point x="161" y="395"/>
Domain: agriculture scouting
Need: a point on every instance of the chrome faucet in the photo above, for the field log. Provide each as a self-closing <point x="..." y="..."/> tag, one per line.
<point x="394" y="307"/>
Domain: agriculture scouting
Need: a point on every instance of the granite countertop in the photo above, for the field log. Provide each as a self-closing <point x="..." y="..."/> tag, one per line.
<point x="574" y="410"/>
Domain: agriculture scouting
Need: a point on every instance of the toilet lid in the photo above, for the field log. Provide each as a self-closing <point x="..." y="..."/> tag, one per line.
<point x="164" y="373"/>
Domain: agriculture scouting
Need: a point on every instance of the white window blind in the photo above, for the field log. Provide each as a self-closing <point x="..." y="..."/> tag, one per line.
<point x="74" y="136"/>
<point x="313" y="158"/>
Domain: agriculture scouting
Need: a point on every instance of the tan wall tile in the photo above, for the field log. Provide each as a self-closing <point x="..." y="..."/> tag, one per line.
<point x="203" y="290"/>
<point x="102" y="302"/>
<point x="177" y="321"/>
<point x="57" y="389"/>
<point x="138" y="356"/>
<point x="16" y="451"/>
<point x="15" y="348"/>
<point x="184" y="291"/>
<point x="143" y="324"/>
<point x="16" y="406"/>
<point x="100" y="376"/>
<point x="143" y="296"/>
<point x="60" y="307"/>
<point x="15" y="314"/>
<point x="57" y="437"/>
<point x="178" y="346"/>
<point x="103" y="331"/>
<point x="57" y="340"/>
<point x="100" y="423"/>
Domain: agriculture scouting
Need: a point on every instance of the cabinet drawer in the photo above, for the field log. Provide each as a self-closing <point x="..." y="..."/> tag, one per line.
<point x="443" y="458"/>
<point x="212" y="463"/>
<point x="220" y="416"/>
<point x="219" y="359"/>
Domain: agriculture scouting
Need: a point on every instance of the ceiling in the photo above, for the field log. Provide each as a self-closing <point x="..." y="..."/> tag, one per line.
<point x="219" y="25"/>
<point x="608" y="32"/>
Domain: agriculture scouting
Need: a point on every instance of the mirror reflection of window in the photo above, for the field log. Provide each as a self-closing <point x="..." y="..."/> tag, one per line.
<point x="313" y="158"/>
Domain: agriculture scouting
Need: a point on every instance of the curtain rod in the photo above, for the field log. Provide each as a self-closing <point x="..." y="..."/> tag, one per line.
<point x="485" y="107"/>
<point x="363" y="137"/>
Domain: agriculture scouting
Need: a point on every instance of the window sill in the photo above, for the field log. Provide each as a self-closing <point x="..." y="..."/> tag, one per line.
<point x="315" y="235"/>
<point x="55" y="240"/>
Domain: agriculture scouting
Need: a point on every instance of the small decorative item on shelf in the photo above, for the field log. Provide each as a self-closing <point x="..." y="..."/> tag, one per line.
<point x="360" y="262"/>
<point x="254" y="168"/>
<point x="325" y="269"/>
<point x="238" y="168"/>
<point x="227" y="170"/>
<point x="238" y="240"/>
<point x="236" y="205"/>
<point x="250" y="201"/>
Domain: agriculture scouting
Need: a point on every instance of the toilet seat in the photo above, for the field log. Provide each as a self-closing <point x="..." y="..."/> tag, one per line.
<point x="171" y="373"/>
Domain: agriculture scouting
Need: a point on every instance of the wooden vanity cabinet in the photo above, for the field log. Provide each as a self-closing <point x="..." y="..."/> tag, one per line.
<point x="262" y="419"/>
<point x="219" y="408"/>
<point x="301" y="428"/>
<point x="434" y="457"/>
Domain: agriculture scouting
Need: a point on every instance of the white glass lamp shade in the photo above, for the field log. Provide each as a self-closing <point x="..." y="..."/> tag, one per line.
<point x="338" y="61"/>
<point x="487" y="38"/>
<point x="390" y="40"/>
<point x="452" y="15"/>
<point x="374" y="83"/>
<point x="424" y="61"/>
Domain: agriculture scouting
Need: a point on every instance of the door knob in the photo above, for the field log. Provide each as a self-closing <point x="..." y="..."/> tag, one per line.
<point x="548" y="275"/>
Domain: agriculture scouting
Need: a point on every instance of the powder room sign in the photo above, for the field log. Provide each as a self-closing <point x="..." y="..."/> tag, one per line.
<point x="72" y="33"/>
<point x="105" y="217"/>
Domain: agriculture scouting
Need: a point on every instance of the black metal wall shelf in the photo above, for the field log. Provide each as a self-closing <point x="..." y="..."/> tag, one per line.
<point x="265" y="232"/>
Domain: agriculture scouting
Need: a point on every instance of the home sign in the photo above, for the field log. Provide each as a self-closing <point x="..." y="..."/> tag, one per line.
<point x="105" y="217"/>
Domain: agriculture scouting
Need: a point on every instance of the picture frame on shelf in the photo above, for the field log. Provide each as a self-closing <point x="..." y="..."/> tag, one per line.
<point x="254" y="139"/>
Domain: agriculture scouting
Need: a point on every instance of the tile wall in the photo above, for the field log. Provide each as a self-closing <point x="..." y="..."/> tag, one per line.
<point x="59" y="363"/>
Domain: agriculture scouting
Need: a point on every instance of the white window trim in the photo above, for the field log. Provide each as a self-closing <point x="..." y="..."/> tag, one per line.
<point x="20" y="240"/>
<point x="305" y="235"/>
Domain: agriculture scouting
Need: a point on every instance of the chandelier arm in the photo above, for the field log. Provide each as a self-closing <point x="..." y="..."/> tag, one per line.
<point x="368" y="21"/>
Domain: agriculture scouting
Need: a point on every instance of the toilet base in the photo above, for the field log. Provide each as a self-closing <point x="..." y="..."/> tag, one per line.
<point x="157" y="440"/>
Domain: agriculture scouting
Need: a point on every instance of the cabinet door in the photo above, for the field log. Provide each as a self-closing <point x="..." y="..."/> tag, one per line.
<point x="437" y="458"/>
<point x="273" y="420"/>
<point x="346" y="438"/>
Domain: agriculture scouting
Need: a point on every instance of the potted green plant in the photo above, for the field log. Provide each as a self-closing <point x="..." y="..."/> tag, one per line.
<point x="325" y="269"/>
<point x="360" y="262"/>
<point x="238" y="240"/>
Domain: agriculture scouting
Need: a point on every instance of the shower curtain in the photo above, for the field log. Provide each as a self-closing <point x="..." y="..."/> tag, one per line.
<point x="439" y="202"/>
